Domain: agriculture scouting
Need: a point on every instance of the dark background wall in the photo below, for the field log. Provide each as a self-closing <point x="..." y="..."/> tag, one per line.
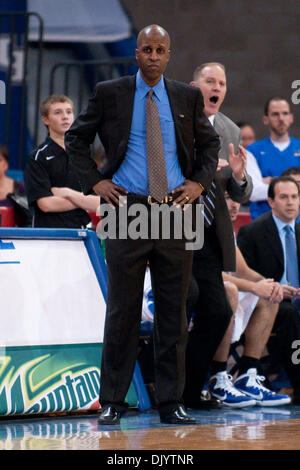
<point x="257" y="40"/>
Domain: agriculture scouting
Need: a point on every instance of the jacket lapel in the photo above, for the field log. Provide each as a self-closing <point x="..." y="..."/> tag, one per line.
<point x="177" y="101"/>
<point x="125" y="91"/>
<point x="272" y="236"/>
<point x="219" y="124"/>
<point x="179" y="112"/>
<point x="222" y="131"/>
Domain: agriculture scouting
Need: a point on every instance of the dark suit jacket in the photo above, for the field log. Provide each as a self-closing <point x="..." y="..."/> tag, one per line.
<point x="261" y="246"/>
<point x="109" y="114"/>
<point x="225" y="181"/>
<point x="229" y="133"/>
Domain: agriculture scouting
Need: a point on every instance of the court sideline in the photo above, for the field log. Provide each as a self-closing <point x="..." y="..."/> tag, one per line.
<point x="222" y="429"/>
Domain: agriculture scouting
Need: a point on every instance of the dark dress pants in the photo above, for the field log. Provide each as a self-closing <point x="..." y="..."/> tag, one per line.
<point x="212" y="314"/>
<point x="170" y="265"/>
<point x="287" y="331"/>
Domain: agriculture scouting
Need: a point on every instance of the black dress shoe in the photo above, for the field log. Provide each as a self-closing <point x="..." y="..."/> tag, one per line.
<point x="177" y="416"/>
<point x="296" y="396"/>
<point x="110" y="415"/>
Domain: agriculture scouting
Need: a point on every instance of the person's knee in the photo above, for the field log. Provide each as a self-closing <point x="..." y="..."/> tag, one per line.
<point x="266" y="306"/>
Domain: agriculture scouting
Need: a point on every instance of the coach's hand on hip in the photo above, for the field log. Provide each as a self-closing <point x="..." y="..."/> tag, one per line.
<point x="190" y="190"/>
<point x="110" y="192"/>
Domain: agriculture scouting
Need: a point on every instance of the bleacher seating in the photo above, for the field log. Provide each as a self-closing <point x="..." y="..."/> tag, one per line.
<point x="7" y="216"/>
<point x="243" y="218"/>
<point x="94" y="218"/>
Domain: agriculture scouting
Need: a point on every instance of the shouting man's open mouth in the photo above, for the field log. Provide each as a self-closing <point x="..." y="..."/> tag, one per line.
<point x="214" y="99"/>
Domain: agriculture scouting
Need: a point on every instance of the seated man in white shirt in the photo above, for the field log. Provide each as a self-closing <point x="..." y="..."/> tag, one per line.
<point x="255" y="305"/>
<point x="254" y="300"/>
<point x="269" y="157"/>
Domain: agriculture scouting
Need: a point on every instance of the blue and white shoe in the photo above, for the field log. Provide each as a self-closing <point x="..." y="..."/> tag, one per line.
<point x="220" y="386"/>
<point x="250" y="385"/>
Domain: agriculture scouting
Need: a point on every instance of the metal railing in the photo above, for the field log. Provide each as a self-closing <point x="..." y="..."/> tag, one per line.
<point x="14" y="34"/>
<point x="89" y="72"/>
<point x="81" y="76"/>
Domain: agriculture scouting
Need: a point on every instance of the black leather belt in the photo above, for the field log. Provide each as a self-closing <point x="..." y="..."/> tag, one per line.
<point x="150" y="201"/>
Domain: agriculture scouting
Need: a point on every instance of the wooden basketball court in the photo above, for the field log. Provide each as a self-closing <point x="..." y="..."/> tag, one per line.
<point x="223" y="429"/>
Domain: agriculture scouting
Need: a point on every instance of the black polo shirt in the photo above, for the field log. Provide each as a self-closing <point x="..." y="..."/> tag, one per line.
<point x="47" y="167"/>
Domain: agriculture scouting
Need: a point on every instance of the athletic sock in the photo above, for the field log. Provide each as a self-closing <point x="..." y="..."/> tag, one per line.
<point x="217" y="366"/>
<point x="247" y="362"/>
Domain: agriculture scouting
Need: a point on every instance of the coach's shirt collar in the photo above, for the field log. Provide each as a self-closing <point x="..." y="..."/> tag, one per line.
<point x="142" y="88"/>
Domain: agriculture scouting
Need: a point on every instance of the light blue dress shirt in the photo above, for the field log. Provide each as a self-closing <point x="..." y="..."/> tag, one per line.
<point x="280" y="227"/>
<point x="133" y="172"/>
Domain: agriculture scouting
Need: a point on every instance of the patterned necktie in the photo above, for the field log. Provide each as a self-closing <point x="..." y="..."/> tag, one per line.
<point x="209" y="205"/>
<point x="209" y="202"/>
<point x="158" y="182"/>
<point x="292" y="272"/>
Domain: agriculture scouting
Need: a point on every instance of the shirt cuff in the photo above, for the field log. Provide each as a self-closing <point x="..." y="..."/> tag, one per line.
<point x="240" y="182"/>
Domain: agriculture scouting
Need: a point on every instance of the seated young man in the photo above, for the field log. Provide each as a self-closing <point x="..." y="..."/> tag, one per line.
<point x="53" y="190"/>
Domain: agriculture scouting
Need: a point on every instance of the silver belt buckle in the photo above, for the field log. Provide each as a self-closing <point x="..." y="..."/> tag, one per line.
<point x="150" y="202"/>
<point x="165" y="200"/>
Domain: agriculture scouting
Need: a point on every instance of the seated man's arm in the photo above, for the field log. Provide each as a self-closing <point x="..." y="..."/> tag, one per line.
<point x="262" y="288"/>
<point x="243" y="270"/>
<point x="248" y="280"/>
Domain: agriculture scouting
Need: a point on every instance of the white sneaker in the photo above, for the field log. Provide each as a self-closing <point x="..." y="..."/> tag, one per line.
<point x="250" y="385"/>
<point x="221" y="387"/>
